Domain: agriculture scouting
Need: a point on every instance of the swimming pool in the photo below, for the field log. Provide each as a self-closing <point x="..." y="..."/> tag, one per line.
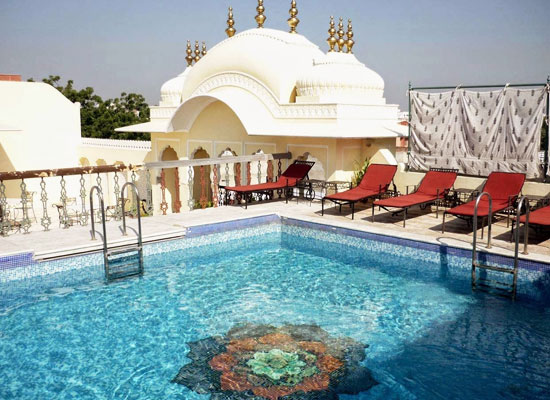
<point x="408" y="308"/>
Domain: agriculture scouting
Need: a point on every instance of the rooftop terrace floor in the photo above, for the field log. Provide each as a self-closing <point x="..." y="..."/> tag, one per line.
<point x="421" y="225"/>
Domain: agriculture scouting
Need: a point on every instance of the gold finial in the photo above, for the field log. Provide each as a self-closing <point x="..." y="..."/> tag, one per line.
<point x="230" y="22"/>
<point x="260" y="18"/>
<point x="293" y="21"/>
<point x="197" y="52"/>
<point x="350" y="42"/>
<point x="331" y="36"/>
<point x="203" y="52"/>
<point x="189" y="52"/>
<point x="341" y="33"/>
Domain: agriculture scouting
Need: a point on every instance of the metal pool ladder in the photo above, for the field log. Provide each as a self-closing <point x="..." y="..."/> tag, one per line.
<point x="504" y="288"/>
<point x="124" y="261"/>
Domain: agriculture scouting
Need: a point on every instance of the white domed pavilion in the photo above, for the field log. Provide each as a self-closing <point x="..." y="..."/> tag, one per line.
<point x="275" y="91"/>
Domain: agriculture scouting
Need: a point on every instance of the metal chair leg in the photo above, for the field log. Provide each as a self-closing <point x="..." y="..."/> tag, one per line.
<point x="404" y="217"/>
<point x="373" y="212"/>
<point x="443" y="226"/>
<point x="352" y="210"/>
<point x="322" y="207"/>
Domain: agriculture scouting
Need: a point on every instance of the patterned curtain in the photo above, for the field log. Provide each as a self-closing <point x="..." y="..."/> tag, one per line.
<point x="478" y="132"/>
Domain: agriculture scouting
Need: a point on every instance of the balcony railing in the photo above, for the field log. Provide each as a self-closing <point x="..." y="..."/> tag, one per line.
<point x="27" y="197"/>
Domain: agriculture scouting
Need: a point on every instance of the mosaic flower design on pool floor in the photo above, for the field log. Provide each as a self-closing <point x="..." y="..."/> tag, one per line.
<point x="264" y="362"/>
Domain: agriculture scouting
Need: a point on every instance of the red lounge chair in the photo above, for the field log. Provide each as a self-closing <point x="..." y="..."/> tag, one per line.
<point x="434" y="187"/>
<point x="375" y="182"/>
<point x="503" y="187"/>
<point x="539" y="217"/>
<point x="297" y="171"/>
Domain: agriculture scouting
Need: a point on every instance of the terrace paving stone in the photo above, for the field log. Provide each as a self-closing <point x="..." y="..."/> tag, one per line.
<point x="421" y="225"/>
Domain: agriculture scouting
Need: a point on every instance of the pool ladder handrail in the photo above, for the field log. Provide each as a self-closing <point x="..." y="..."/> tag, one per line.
<point x="92" y="222"/>
<point x="138" y="205"/>
<point x="117" y="251"/>
<point x="514" y="271"/>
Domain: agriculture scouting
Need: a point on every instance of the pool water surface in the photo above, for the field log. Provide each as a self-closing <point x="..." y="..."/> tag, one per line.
<point x="427" y="336"/>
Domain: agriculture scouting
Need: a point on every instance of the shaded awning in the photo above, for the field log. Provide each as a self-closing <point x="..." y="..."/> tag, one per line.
<point x="147" y="127"/>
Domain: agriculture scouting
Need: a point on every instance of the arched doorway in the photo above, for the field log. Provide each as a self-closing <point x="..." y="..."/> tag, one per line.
<point x="170" y="194"/>
<point x="202" y="193"/>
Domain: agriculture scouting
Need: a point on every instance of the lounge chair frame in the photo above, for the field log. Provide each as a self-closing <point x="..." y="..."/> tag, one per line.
<point x="287" y="189"/>
<point x="423" y="205"/>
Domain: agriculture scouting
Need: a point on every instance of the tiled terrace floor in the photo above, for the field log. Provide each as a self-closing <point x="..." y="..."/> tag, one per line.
<point x="421" y="225"/>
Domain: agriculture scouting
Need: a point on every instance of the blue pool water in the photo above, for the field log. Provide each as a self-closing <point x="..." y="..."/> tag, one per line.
<point x="429" y="337"/>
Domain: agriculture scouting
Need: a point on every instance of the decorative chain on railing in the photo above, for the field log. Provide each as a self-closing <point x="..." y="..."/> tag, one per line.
<point x="4" y="220"/>
<point x="279" y="173"/>
<point x="25" y="222"/>
<point x="65" y="221"/>
<point x="177" y="202"/>
<point x="215" y="186"/>
<point x="46" y="220"/>
<point x="203" y="199"/>
<point x="163" y="203"/>
<point x="237" y="174"/>
<point x="270" y="170"/>
<point x="84" y="214"/>
<point x="248" y="174"/>
<point x="191" y="201"/>
<point x="227" y="183"/>
<point x="259" y="171"/>
<point x="119" y="207"/>
<point x="98" y="180"/>
<point x="149" y="209"/>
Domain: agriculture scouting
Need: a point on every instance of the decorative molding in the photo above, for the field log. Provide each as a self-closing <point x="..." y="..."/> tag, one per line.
<point x="140" y="145"/>
<point x="266" y="96"/>
<point x="159" y="112"/>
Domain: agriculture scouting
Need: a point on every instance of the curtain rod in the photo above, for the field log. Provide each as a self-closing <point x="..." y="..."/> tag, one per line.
<point x="478" y="86"/>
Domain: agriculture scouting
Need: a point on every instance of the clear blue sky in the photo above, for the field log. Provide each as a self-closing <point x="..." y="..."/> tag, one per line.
<point x="136" y="45"/>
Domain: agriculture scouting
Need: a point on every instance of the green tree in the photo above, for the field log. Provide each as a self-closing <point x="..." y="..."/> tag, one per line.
<point x="99" y="118"/>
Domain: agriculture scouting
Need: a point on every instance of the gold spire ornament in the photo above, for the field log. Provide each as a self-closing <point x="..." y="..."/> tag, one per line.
<point x="230" y="31"/>
<point x="332" y="41"/>
<point x="293" y="21"/>
<point x="260" y="18"/>
<point x="197" y="52"/>
<point x="203" y="52"/>
<point x="189" y="58"/>
<point x="349" y="34"/>
<point x="341" y="33"/>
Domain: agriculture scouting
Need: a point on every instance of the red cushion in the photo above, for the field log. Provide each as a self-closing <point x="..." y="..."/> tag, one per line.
<point x="378" y="175"/>
<point x="354" y="194"/>
<point x="501" y="185"/>
<point x="539" y="217"/>
<point x="281" y="183"/>
<point x="407" y="200"/>
<point x="482" y="210"/>
<point x="436" y="181"/>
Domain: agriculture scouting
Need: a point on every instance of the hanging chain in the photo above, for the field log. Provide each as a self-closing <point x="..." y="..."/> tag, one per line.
<point x="4" y="222"/>
<point x="215" y="187"/>
<point x="46" y="220"/>
<point x="203" y="200"/>
<point x="270" y="170"/>
<point x="149" y="191"/>
<point x="237" y="172"/>
<point x="65" y="216"/>
<point x="84" y="214"/>
<point x="227" y="174"/>
<point x="259" y="172"/>
<point x="163" y="203"/>
<point x="177" y="202"/>
<point x="248" y="175"/>
<point x="191" y="201"/>
<point x="98" y="180"/>
<point x="25" y="222"/>
<point x="118" y="207"/>
<point x="134" y="176"/>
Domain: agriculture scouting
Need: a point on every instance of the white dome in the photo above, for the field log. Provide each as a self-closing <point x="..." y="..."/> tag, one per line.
<point x="171" y="91"/>
<point x="272" y="57"/>
<point x="340" y="77"/>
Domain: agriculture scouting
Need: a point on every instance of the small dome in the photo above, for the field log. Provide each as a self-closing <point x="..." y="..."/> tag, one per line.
<point x="171" y="91"/>
<point x="340" y="77"/>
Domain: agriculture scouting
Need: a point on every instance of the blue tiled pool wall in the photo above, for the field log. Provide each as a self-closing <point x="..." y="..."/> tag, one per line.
<point x="431" y="262"/>
<point x="449" y="262"/>
<point x="30" y="280"/>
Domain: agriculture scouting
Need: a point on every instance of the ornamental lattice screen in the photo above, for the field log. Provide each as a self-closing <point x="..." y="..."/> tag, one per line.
<point x="478" y="132"/>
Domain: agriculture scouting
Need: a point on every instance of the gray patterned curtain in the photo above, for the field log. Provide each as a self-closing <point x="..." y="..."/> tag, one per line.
<point x="478" y="132"/>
